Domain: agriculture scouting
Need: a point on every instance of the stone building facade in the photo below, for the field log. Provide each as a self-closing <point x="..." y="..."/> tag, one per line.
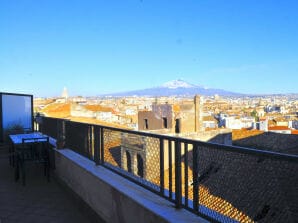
<point x="140" y="156"/>
<point x="173" y="118"/>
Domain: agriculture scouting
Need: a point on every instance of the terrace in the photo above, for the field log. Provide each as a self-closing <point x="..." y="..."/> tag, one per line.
<point x="38" y="201"/>
<point x="129" y="176"/>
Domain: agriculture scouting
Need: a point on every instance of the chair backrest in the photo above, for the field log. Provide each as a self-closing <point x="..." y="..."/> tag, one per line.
<point x="35" y="140"/>
<point x="35" y="148"/>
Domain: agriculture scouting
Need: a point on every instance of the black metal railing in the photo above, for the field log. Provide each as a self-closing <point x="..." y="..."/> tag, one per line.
<point x="50" y="126"/>
<point x="218" y="182"/>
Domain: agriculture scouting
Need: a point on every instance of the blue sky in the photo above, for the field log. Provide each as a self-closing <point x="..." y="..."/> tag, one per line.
<point x="104" y="46"/>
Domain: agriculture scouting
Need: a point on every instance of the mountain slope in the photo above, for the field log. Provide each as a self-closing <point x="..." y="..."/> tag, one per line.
<point x="177" y="88"/>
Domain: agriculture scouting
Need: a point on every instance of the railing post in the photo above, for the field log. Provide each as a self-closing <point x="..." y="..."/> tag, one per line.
<point x="40" y="121"/>
<point x="195" y="178"/>
<point x="178" y="181"/>
<point x="170" y="170"/>
<point x="60" y="137"/>
<point x="186" y="173"/>
<point x="102" y="160"/>
<point x="90" y="143"/>
<point x="162" y="169"/>
<point x="59" y="129"/>
<point x="96" y="132"/>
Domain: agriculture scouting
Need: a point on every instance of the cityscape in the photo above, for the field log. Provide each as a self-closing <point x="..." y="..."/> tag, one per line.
<point x="241" y="115"/>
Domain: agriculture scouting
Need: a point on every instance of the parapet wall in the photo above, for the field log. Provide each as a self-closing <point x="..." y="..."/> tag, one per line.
<point x="112" y="197"/>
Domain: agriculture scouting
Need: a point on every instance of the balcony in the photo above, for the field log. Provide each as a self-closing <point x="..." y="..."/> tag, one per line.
<point x="130" y="176"/>
<point x="120" y="175"/>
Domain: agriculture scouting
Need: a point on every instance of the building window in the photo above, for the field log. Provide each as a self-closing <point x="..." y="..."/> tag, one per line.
<point x="146" y="123"/>
<point x="128" y="161"/>
<point x="165" y="122"/>
<point x="140" y="166"/>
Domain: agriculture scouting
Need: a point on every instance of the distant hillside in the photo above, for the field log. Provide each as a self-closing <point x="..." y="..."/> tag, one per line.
<point x="177" y="88"/>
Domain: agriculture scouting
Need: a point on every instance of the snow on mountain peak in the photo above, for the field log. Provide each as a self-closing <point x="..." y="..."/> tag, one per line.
<point x="177" y="84"/>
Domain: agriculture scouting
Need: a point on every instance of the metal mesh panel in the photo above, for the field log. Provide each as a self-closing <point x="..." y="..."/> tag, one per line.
<point x="112" y="147"/>
<point x="78" y="137"/>
<point x="246" y="187"/>
<point x="152" y="159"/>
<point x="233" y="186"/>
<point x="136" y="154"/>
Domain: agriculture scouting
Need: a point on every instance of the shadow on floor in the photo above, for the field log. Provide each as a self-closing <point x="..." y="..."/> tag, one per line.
<point x="38" y="201"/>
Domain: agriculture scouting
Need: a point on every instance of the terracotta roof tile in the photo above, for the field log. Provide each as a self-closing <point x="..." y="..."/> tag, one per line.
<point x="278" y="128"/>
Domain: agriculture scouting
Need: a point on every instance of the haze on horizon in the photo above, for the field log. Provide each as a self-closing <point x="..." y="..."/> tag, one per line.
<point x="98" y="47"/>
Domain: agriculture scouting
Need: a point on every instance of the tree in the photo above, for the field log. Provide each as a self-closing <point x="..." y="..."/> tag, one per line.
<point x="255" y="115"/>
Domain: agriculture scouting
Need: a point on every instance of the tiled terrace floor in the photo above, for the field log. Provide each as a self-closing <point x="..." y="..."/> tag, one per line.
<point x="38" y="201"/>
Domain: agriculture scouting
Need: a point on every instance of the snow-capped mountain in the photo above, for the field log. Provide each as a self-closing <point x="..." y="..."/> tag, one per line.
<point x="177" y="88"/>
<point x="177" y="84"/>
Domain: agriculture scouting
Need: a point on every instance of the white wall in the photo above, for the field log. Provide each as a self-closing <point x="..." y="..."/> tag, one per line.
<point x="16" y="110"/>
